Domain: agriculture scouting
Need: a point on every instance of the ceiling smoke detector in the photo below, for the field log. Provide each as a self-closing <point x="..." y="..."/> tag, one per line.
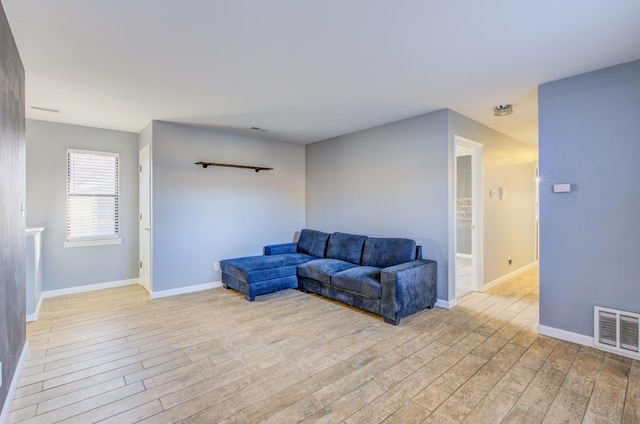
<point x="503" y="110"/>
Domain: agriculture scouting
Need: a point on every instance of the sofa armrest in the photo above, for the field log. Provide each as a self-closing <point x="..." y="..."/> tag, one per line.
<point x="407" y="288"/>
<point x="279" y="249"/>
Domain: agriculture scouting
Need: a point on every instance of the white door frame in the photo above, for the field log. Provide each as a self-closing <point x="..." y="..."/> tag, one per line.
<point x="144" y="223"/>
<point x="477" y="238"/>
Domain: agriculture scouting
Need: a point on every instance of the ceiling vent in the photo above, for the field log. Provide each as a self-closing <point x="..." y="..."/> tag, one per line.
<point x="617" y="331"/>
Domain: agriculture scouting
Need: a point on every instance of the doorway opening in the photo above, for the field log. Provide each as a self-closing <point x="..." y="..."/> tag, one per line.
<point x="144" y="181"/>
<point x="467" y="217"/>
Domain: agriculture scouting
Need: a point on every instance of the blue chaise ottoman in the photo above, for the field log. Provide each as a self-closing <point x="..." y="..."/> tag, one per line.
<point x="276" y="269"/>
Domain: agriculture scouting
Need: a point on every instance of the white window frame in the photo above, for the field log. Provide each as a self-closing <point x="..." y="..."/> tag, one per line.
<point x="94" y="240"/>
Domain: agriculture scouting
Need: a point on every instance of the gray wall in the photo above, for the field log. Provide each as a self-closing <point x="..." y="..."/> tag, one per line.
<point x="393" y="180"/>
<point x="388" y="181"/>
<point x="590" y="138"/>
<point x="201" y="216"/>
<point x="509" y="224"/>
<point x="12" y="195"/>
<point x="47" y="145"/>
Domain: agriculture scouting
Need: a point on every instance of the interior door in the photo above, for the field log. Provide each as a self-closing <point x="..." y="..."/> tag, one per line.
<point x="465" y="282"/>
<point x="145" y="217"/>
<point x="468" y="262"/>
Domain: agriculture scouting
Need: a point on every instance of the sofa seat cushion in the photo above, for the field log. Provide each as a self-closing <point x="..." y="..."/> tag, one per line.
<point x="322" y="269"/>
<point x="385" y="252"/>
<point x="252" y="269"/>
<point x="362" y="279"/>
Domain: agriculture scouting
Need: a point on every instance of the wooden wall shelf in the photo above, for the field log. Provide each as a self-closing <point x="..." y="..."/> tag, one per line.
<point x="228" y="165"/>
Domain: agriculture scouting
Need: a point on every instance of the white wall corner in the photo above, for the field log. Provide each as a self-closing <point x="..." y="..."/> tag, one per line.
<point x="185" y="290"/>
<point x="34" y="316"/>
<point x="90" y="287"/>
<point x="4" y="414"/>
<point x="568" y="336"/>
<point x="446" y="304"/>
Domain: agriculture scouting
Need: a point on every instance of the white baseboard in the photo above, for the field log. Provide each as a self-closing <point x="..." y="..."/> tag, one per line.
<point x="4" y="414"/>
<point x="568" y="336"/>
<point x="446" y="304"/>
<point x="504" y="278"/>
<point x="34" y="316"/>
<point x="184" y="290"/>
<point x="464" y="255"/>
<point x="580" y="339"/>
<point x="91" y="287"/>
<point x="122" y="283"/>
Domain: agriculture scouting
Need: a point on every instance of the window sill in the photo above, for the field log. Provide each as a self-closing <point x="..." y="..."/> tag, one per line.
<point x="87" y="243"/>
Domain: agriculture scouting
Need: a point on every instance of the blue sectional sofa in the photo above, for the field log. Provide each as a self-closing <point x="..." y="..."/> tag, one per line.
<point x="386" y="276"/>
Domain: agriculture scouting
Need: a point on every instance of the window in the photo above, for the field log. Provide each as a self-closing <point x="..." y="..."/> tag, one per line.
<point x="92" y="198"/>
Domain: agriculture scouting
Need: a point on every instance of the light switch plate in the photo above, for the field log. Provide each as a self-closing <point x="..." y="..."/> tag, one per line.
<point x="561" y="188"/>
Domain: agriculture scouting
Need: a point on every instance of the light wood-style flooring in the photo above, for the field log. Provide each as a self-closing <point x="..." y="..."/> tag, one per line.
<point x="114" y="356"/>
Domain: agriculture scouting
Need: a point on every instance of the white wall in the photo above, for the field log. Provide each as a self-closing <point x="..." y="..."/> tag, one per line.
<point x="509" y="224"/>
<point x="201" y="216"/>
<point x="389" y="181"/>
<point x="62" y="267"/>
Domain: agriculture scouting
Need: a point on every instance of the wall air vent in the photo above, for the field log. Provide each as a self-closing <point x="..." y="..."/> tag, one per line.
<point x="617" y="331"/>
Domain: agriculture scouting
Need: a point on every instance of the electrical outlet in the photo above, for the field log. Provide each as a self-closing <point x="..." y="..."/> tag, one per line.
<point x="216" y="266"/>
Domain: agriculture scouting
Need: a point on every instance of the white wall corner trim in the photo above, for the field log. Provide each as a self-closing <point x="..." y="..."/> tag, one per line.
<point x="568" y="336"/>
<point x="185" y="290"/>
<point x="90" y="287"/>
<point x="4" y="414"/>
<point x="446" y="304"/>
<point x="509" y="275"/>
<point x="34" y="316"/>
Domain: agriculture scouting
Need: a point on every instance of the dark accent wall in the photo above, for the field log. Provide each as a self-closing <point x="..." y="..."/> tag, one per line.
<point x="12" y="195"/>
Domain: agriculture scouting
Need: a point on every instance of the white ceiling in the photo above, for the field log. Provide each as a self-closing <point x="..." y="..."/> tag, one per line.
<point x="307" y="70"/>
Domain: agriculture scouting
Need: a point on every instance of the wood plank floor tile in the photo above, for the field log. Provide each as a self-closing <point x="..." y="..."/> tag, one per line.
<point x="73" y="387"/>
<point x="116" y="356"/>
<point x="135" y="414"/>
<point x="496" y="404"/>
<point x="607" y="400"/>
<point x="122" y="406"/>
<point x="347" y="405"/>
<point x="445" y="385"/>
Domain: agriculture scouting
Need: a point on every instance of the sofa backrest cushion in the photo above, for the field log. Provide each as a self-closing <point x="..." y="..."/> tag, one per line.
<point x="384" y="252"/>
<point x="312" y="242"/>
<point x="346" y="247"/>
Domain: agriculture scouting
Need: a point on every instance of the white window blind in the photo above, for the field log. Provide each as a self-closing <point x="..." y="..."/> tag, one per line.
<point x="92" y="196"/>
